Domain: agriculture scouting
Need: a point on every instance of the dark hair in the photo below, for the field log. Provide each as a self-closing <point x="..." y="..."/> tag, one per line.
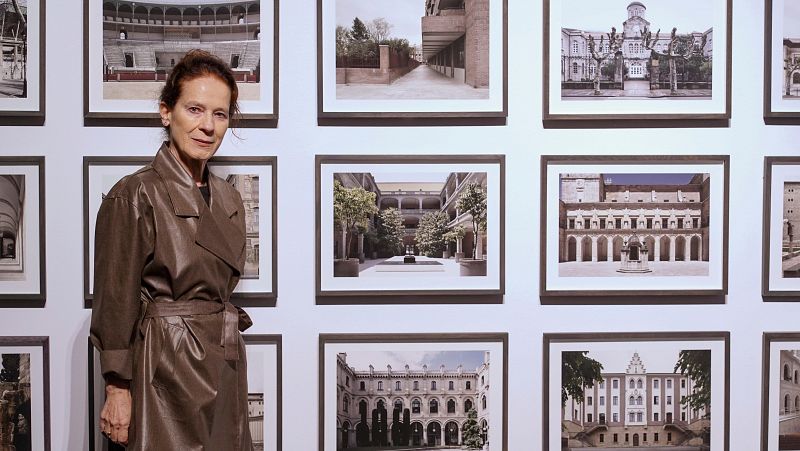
<point x="198" y="63"/>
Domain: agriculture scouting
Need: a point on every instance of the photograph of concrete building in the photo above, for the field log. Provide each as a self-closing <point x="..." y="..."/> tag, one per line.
<point x="142" y="41"/>
<point x="634" y="224"/>
<point x="16" y="427"/>
<point x="14" y="46"/>
<point x="422" y="399"/>
<point x="620" y="49"/>
<point x="641" y="398"/>
<point x="12" y="230"/>
<point x="255" y="417"/>
<point x="247" y="185"/>
<point x="790" y="242"/>
<point x="412" y="49"/>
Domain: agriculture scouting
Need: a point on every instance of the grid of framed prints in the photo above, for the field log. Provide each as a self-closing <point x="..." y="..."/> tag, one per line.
<point x="781" y="60"/>
<point x="264" y="403"/>
<point x="22" y="78"/>
<point x="256" y="180"/>
<point x="633" y="225"/>
<point x="130" y="47"/>
<point x="25" y="390"/>
<point x="615" y="387"/>
<point x="405" y="383"/>
<point x="22" y="232"/>
<point x="410" y="229"/>
<point x="617" y="60"/>
<point x="412" y="59"/>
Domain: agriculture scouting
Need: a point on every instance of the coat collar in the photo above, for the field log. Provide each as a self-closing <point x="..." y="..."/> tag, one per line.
<point x="216" y="229"/>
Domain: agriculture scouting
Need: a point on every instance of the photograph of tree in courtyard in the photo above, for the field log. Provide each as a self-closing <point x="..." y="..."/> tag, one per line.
<point x="791" y="51"/>
<point x="14" y="45"/>
<point x="651" y="397"/>
<point x="387" y="400"/>
<point x="15" y="402"/>
<point x="410" y="224"/>
<point x="412" y="49"/>
<point x="612" y="50"/>
<point x="633" y="224"/>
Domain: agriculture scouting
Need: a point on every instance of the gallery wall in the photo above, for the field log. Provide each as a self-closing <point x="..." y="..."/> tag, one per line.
<point x="64" y="141"/>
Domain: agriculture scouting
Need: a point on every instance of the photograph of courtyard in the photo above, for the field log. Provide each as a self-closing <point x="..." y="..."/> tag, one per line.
<point x="16" y="428"/>
<point x="412" y="49"/>
<point x="410" y="225"/>
<point x="791" y="50"/>
<point x="619" y="399"/>
<point x="14" y="46"/>
<point x="413" y="400"/>
<point x="611" y="50"/>
<point x="789" y="401"/>
<point x="629" y="224"/>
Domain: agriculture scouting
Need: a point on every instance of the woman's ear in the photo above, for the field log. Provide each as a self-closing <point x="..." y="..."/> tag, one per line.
<point x="166" y="114"/>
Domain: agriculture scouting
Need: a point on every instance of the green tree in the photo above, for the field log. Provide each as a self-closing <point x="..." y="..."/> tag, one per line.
<point x="352" y="208"/>
<point x="391" y="231"/>
<point x="598" y="55"/>
<point x="577" y="373"/>
<point x="471" y="437"/>
<point x="473" y="201"/>
<point x="696" y="364"/>
<point x="430" y="233"/>
<point x="679" y="47"/>
<point x="455" y="234"/>
<point x="359" y="31"/>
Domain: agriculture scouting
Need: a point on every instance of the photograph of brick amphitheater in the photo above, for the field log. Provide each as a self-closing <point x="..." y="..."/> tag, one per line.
<point x="14" y="46"/>
<point x="629" y="224"/>
<point x="643" y="398"/>
<point x="412" y="49"/>
<point x="142" y="41"/>
<point x="417" y="400"/>
<point x="15" y="402"/>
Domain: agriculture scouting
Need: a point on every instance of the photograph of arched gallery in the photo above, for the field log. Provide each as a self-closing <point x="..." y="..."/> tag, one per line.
<point x="633" y="224"/>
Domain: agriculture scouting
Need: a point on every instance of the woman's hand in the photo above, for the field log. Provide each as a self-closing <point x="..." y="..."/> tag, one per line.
<point x="116" y="415"/>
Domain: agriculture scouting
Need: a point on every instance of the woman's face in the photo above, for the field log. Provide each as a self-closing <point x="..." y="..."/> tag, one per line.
<point x="199" y="119"/>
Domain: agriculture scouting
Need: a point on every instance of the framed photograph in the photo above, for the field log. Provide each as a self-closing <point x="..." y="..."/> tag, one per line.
<point x="256" y="180"/>
<point x="22" y="232"/>
<point x="264" y="382"/>
<point x="410" y="229"/>
<point x="22" y="67"/>
<point x="661" y="391"/>
<point x="781" y="60"/>
<point x="633" y="226"/>
<point x="426" y="391"/>
<point x="780" y="398"/>
<point x="781" y="250"/>
<point x="622" y="60"/>
<point x="385" y="59"/>
<point x="25" y="390"/>
<point x="131" y="47"/>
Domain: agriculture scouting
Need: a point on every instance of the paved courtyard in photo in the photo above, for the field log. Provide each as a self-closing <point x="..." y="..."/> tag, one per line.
<point x="420" y="84"/>
<point x="395" y="268"/>
<point x="11" y="88"/>
<point x="609" y="269"/>
<point x="638" y="89"/>
<point x="150" y="90"/>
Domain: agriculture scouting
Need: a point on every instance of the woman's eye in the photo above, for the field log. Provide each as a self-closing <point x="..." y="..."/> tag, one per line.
<point x="222" y="115"/>
<point x="194" y="109"/>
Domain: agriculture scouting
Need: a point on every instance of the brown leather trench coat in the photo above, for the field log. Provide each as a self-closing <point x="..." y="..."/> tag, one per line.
<point x="165" y="267"/>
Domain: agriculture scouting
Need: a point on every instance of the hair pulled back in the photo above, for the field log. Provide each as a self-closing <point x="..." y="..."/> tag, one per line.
<point x="198" y="63"/>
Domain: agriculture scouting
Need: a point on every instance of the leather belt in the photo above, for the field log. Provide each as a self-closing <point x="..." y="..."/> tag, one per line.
<point x="230" y="319"/>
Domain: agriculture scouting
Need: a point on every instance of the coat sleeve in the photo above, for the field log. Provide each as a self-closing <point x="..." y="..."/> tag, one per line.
<point x="124" y="242"/>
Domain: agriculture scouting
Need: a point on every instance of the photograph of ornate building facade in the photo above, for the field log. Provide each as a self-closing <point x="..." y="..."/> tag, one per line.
<point x="633" y="224"/>
<point x="790" y="64"/>
<point x="789" y="405"/>
<point x="412" y="223"/>
<point x="247" y="185"/>
<point x="790" y="244"/>
<point x="142" y="41"/>
<point x="15" y="402"/>
<point x="637" y="59"/>
<point x="416" y="404"/>
<point x="636" y="407"/>
<point x="13" y="48"/>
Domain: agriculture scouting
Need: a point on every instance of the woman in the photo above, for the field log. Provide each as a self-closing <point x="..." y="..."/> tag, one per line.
<point x="170" y="246"/>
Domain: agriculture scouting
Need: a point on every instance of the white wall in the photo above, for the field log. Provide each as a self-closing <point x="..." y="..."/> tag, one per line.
<point x="65" y="141"/>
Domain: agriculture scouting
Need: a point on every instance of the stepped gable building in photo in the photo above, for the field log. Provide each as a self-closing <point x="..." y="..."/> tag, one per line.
<point x="438" y="400"/>
<point x="635" y="408"/>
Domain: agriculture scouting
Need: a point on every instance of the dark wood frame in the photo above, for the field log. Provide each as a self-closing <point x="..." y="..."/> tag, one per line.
<point x="773" y="117"/>
<point x="255" y="339"/>
<point x="677" y="296"/>
<point x="35" y="300"/>
<point x="768" y="338"/>
<point x="44" y="343"/>
<point x="549" y="338"/>
<point x="33" y="117"/>
<point x="420" y="118"/>
<point x="412" y="296"/>
<point x="252" y="299"/>
<point x="359" y="338"/>
<point x="766" y="292"/>
<point x="626" y="120"/>
<point x="138" y="119"/>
